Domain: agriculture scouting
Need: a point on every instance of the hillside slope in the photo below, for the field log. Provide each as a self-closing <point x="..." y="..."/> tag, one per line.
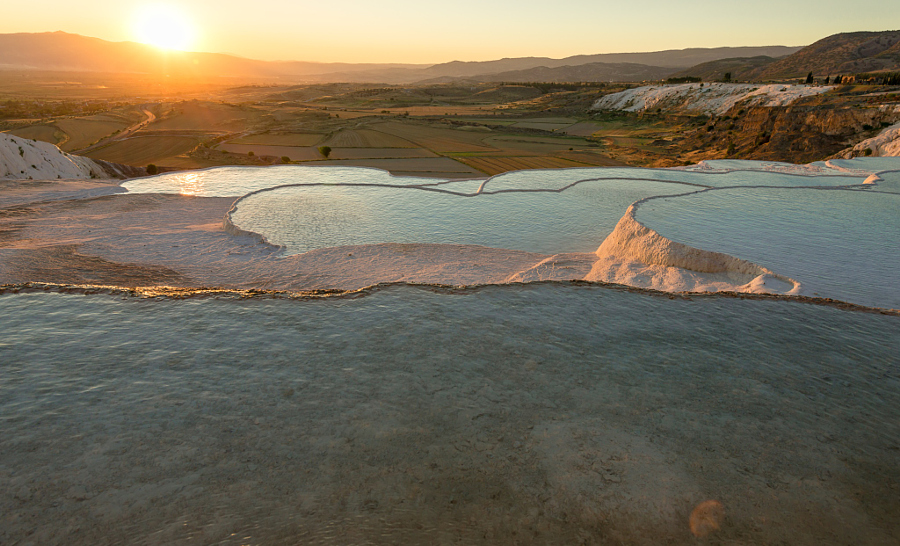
<point x="740" y="68"/>
<point x="591" y="72"/>
<point x="848" y="53"/>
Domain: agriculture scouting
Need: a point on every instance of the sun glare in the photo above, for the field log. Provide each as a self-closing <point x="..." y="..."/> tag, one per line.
<point x="163" y="26"/>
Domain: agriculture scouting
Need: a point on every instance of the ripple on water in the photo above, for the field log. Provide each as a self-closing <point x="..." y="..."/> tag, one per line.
<point x="501" y="415"/>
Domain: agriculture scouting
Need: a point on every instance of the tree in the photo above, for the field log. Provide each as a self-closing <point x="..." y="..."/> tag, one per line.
<point x="325" y="151"/>
<point x="809" y="78"/>
<point x="827" y="79"/>
<point x="285" y="159"/>
<point x="250" y="153"/>
<point x="152" y="169"/>
<point x="727" y="77"/>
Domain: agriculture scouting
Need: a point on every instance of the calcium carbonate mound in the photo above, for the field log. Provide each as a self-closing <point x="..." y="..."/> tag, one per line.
<point x="886" y="144"/>
<point x="709" y="98"/>
<point x="24" y="159"/>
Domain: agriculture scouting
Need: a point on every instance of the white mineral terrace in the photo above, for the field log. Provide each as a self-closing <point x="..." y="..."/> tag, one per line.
<point x="348" y="228"/>
<point x="707" y="98"/>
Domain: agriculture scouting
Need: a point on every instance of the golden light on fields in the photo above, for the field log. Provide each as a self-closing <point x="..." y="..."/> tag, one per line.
<point x="163" y="26"/>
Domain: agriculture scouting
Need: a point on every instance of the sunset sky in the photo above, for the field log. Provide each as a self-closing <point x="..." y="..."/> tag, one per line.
<point x="420" y="31"/>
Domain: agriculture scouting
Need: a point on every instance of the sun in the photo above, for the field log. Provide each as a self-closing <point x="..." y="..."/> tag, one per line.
<point x="163" y="26"/>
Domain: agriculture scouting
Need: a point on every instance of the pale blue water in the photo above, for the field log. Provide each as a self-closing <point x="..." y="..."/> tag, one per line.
<point x="868" y="163"/>
<point x="890" y="182"/>
<point x="575" y="220"/>
<point x="495" y="416"/>
<point x="560" y="178"/>
<point x="839" y="244"/>
<point x="549" y="413"/>
<point x="236" y="181"/>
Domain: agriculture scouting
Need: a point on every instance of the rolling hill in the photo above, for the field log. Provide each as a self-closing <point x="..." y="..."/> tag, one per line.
<point x="839" y="54"/>
<point x="60" y="51"/>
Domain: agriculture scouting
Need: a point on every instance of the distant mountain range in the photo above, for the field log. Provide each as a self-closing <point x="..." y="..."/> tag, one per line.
<point x="71" y="52"/>
<point x="847" y="53"/>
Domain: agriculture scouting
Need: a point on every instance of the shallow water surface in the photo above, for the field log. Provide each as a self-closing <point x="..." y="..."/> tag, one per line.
<point x="236" y="181"/>
<point x="549" y="413"/>
<point x="723" y="174"/>
<point x="305" y="218"/>
<point x="837" y="243"/>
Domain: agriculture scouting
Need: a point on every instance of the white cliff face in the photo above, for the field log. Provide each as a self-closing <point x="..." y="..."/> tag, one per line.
<point x="23" y="159"/>
<point x="886" y="144"/>
<point x="708" y="98"/>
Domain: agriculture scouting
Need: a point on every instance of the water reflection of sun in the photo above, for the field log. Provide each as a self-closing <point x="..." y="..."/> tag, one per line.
<point x="190" y="184"/>
<point x="163" y="26"/>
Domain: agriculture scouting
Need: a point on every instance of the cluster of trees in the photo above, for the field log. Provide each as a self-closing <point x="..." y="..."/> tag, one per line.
<point x="880" y="78"/>
<point x="13" y="109"/>
<point x="685" y="79"/>
<point x="546" y="87"/>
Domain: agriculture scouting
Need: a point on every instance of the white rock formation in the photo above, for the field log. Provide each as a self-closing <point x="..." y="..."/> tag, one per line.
<point x="23" y="159"/>
<point x="708" y="98"/>
<point x="886" y="144"/>
<point x="636" y="255"/>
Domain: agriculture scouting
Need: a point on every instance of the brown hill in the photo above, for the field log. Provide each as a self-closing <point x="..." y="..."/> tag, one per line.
<point x="847" y="53"/>
<point x="740" y="68"/>
<point x="591" y="72"/>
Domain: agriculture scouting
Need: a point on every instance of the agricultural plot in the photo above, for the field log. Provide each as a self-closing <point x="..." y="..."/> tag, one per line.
<point x="379" y="153"/>
<point x="353" y="114"/>
<point x="280" y="139"/>
<point x="206" y="117"/>
<point x="141" y="150"/>
<point x="591" y="158"/>
<point x="501" y="122"/>
<point x="583" y="129"/>
<point x="440" y="167"/>
<point x="83" y="132"/>
<point x="437" y="111"/>
<point x="497" y="165"/>
<point x="366" y="138"/>
<point x="545" y="124"/>
<point x="295" y="153"/>
<point x="515" y="145"/>
<point x="437" y="139"/>
<point x="44" y="133"/>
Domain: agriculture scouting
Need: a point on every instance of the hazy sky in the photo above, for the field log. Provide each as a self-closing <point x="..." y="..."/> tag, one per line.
<point x="423" y="31"/>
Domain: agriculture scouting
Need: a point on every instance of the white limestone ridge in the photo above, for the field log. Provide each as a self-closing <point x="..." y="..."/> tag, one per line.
<point x="886" y="144"/>
<point x="706" y="98"/>
<point x="24" y="159"/>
